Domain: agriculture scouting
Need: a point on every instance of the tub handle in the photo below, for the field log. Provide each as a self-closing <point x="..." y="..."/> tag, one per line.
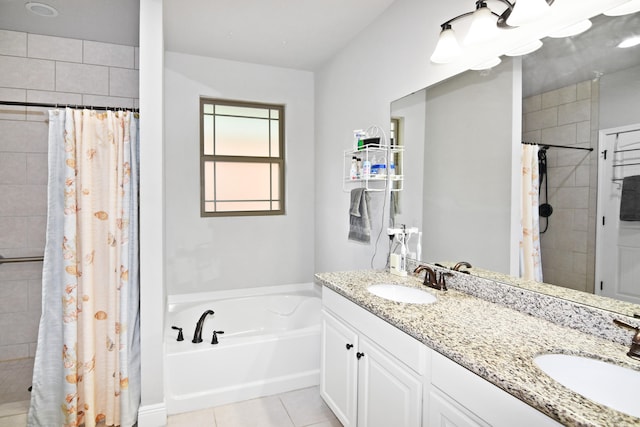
<point x="214" y="338"/>
<point x="349" y="346"/>
<point x="180" y="336"/>
<point x="359" y="355"/>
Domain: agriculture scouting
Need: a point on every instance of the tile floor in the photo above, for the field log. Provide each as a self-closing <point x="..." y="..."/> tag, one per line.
<point x="298" y="408"/>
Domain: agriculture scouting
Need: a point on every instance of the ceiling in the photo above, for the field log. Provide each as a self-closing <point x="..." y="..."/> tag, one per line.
<point x="109" y="21"/>
<point x="564" y="61"/>
<point x="300" y="34"/>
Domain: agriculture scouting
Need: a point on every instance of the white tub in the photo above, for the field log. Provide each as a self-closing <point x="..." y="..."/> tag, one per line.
<point x="271" y="344"/>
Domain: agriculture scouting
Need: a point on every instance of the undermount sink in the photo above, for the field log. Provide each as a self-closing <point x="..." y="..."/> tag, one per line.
<point x="401" y="293"/>
<point x="605" y="383"/>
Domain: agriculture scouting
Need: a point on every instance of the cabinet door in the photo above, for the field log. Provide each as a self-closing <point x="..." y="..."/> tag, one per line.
<point x="338" y="370"/>
<point x="388" y="393"/>
<point x="444" y="413"/>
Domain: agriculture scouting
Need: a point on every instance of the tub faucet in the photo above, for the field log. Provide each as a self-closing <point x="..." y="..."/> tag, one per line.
<point x="197" y="335"/>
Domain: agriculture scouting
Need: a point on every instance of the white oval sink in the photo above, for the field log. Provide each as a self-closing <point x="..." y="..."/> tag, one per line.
<point x="605" y="383"/>
<point x="401" y="293"/>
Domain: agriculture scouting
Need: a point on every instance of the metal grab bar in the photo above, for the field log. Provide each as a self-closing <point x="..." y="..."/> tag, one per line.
<point x="4" y="260"/>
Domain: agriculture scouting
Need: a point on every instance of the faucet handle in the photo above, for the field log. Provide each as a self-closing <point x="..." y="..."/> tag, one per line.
<point x="634" y="350"/>
<point x="180" y="336"/>
<point x="442" y="279"/>
<point x="214" y="338"/>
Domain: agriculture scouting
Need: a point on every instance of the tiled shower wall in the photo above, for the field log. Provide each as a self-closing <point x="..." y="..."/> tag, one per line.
<point x="568" y="116"/>
<point x="36" y="68"/>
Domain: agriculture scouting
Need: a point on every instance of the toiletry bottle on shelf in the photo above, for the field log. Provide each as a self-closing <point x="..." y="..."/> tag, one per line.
<point x="359" y="167"/>
<point x="366" y="168"/>
<point x="419" y="246"/>
<point x="392" y="166"/>
<point x="353" y="172"/>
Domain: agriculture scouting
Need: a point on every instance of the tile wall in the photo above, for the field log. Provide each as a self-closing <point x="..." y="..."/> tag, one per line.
<point x="567" y="116"/>
<point x="36" y="68"/>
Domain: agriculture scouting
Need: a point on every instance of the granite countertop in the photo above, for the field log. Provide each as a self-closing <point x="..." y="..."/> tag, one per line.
<point x="495" y="342"/>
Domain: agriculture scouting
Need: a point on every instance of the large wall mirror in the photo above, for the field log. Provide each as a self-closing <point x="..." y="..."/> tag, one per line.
<point x="579" y="92"/>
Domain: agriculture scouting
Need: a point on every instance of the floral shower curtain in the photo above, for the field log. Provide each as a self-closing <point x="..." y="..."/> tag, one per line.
<point x="87" y="365"/>
<point x="530" y="258"/>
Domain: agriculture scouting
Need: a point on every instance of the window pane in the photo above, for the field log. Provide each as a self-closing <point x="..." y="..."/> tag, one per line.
<point x="208" y="108"/>
<point x="208" y="134"/>
<point x="275" y="205"/>
<point x="275" y="138"/>
<point x="237" y="136"/>
<point x="209" y="193"/>
<point x="210" y="206"/>
<point x="243" y="206"/>
<point x="275" y="181"/>
<point x="242" y="181"/>
<point x="230" y="110"/>
<point x="275" y="114"/>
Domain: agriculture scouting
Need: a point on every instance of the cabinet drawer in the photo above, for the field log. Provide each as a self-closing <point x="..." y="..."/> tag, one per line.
<point x="405" y="348"/>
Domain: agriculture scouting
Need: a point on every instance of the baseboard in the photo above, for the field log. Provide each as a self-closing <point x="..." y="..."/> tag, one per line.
<point x="152" y="415"/>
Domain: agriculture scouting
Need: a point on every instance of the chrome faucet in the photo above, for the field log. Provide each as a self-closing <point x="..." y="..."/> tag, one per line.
<point x="197" y="334"/>
<point x="431" y="279"/>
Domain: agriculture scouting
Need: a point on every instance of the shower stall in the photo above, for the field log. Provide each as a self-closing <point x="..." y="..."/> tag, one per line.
<point x="50" y="70"/>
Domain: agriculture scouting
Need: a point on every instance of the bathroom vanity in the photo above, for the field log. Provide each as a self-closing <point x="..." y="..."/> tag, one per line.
<point x="459" y="361"/>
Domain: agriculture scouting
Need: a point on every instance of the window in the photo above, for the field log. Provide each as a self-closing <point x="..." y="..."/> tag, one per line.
<point x="241" y="158"/>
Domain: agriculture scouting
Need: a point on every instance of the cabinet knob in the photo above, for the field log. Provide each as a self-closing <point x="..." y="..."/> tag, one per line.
<point x="349" y="346"/>
<point x="359" y="355"/>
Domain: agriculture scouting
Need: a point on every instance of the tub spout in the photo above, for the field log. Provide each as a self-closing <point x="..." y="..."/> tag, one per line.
<point x="197" y="334"/>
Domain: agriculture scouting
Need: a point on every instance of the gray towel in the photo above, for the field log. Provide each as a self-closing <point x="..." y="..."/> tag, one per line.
<point x="359" y="223"/>
<point x="630" y="200"/>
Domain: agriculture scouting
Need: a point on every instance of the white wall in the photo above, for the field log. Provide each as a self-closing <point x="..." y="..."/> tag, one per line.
<point x="385" y="62"/>
<point x="215" y="253"/>
<point x="152" y="255"/>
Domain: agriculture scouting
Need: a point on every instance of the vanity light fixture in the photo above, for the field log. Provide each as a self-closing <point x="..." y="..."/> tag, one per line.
<point x="447" y="48"/>
<point x="629" y="42"/>
<point x="632" y="6"/>
<point x="572" y="30"/>
<point x="487" y="64"/>
<point x="485" y="25"/>
<point x="524" y="49"/>
<point x="526" y="11"/>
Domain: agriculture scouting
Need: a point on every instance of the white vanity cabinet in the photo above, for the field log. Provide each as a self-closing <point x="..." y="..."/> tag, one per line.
<point x="460" y="398"/>
<point x="362" y="383"/>
<point x="398" y="381"/>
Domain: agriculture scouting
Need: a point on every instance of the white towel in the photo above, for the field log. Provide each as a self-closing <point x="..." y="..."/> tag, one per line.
<point x="359" y="223"/>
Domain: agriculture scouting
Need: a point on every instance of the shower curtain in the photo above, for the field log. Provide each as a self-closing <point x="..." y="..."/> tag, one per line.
<point x="530" y="258"/>
<point x="87" y="364"/>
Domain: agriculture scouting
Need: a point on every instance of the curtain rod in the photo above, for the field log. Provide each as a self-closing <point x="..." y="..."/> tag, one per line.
<point x="4" y="260"/>
<point x="557" y="146"/>
<point x="45" y="105"/>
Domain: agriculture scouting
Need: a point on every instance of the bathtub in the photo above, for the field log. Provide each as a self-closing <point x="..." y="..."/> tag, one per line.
<point x="271" y="344"/>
